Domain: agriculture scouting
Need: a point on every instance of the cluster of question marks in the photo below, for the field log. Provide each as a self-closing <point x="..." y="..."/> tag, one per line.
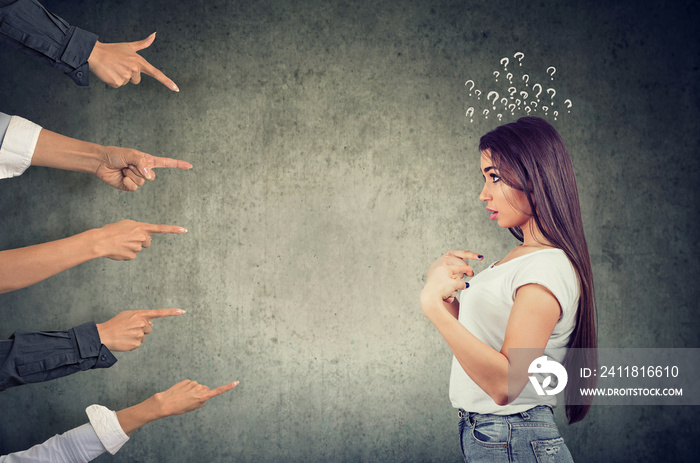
<point x="516" y="94"/>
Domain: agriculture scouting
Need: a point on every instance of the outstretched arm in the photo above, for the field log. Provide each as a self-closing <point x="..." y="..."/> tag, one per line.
<point x="33" y="357"/>
<point x="184" y="397"/>
<point x="32" y="29"/>
<point x="122" y="168"/>
<point x="108" y="431"/>
<point x="24" y="143"/>
<point x="23" y="267"/>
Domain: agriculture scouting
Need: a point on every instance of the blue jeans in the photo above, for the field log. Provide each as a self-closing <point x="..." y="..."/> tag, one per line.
<point x="531" y="436"/>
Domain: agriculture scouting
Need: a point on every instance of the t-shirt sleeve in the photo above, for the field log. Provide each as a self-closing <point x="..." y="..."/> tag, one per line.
<point x="554" y="272"/>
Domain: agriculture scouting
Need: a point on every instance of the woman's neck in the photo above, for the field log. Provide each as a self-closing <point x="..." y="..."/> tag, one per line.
<point x="533" y="236"/>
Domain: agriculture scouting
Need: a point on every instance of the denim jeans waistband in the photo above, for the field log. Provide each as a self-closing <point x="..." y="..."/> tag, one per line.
<point x="539" y="411"/>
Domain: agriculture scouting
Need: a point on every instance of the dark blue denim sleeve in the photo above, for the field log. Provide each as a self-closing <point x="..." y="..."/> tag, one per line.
<point x="29" y="27"/>
<point x="34" y="357"/>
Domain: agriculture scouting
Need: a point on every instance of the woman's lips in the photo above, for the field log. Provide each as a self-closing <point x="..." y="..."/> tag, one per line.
<point x="494" y="214"/>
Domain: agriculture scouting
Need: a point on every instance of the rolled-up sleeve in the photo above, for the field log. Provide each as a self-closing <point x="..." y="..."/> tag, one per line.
<point x="33" y="357"/>
<point x="17" y="144"/>
<point x="29" y="27"/>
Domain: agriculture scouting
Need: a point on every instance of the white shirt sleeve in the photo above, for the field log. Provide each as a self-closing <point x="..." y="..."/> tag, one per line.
<point x="79" y="445"/>
<point x="17" y="147"/>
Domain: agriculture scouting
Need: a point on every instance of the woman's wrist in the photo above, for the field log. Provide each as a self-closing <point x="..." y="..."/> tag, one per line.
<point x="91" y="243"/>
<point x="431" y="302"/>
<point x="132" y="418"/>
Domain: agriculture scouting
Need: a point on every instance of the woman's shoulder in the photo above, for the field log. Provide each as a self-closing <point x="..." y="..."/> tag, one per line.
<point x="554" y="258"/>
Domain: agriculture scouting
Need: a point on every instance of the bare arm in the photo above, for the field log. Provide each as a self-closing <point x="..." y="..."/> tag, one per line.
<point x="184" y="397"/>
<point x="26" y="266"/>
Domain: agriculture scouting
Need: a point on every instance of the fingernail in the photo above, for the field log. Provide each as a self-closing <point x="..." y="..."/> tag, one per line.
<point x="467" y="285"/>
<point x="480" y="256"/>
<point x="179" y="311"/>
<point x="147" y="173"/>
<point x="174" y="88"/>
<point x="182" y="230"/>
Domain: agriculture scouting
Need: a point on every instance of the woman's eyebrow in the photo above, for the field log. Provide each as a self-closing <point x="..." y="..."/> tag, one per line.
<point x="488" y="168"/>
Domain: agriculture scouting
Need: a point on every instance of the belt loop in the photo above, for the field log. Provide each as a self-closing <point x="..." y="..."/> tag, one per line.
<point x="525" y="415"/>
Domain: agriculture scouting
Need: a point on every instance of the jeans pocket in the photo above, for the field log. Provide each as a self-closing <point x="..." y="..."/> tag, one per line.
<point x="551" y="451"/>
<point x="490" y="432"/>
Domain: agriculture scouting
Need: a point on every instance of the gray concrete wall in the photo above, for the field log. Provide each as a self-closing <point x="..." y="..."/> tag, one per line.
<point x="333" y="162"/>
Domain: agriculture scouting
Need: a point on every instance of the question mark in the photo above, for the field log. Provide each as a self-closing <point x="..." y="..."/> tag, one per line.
<point x="569" y="105"/>
<point x="505" y="66"/>
<point x="524" y="95"/>
<point x="511" y="107"/>
<point x="538" y="93"/>
<point x="470" y="88"/>
<point x="553" y="71"/>
<point x="517" y="101"/>
<point x="504" y="100"/>
<point x="545" y="108"/>
<point x="522" y="55"/>
<point x="509" y="76"/>
<point x="470" y="113"/>
<point x="500" y="116"/>
<point x="553" y="92"/>
<point x="533" y="103"/>
<point x="512" y="91"/>
<point x="526" y="78"/>
<point x="556" y="113"/>
<point x="496" y="73"/>
<point x="486" y="113"/>
<point x="477" y="92"/>
<point x="495" y="97"/>
<point x="528" y="109"/>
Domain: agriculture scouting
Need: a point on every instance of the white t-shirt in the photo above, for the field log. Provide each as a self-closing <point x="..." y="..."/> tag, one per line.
<point x="484" y="310"/>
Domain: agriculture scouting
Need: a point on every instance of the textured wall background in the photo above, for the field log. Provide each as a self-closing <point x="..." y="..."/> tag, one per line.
<point x="333" y="162"/>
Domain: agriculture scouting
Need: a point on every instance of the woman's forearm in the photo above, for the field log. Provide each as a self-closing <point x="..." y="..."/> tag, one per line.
<point x="132" y="418"/>
<point x="23" y="267"/>
<point x="61" y="152"/>
<point x="487" y="367"/>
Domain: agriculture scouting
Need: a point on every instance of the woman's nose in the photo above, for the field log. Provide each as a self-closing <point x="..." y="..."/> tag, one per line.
<point x="484" y="196"/>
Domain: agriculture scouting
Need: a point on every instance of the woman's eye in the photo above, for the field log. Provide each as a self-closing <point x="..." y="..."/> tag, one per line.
<point x="495" y="178"/>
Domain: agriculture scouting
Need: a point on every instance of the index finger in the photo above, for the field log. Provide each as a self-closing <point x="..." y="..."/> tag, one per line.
<point x="160" y="313"/>
<point x="466" y="254"/>
<point x="156" y="161"/>
<point x="221" y="389"/>
<point x="153" y="228"/>
<point x="159" y="76"/>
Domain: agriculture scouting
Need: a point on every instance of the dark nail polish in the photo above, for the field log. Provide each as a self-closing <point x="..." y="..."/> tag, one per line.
<point x="467" y="285"/>
<point x="480" y="256"/>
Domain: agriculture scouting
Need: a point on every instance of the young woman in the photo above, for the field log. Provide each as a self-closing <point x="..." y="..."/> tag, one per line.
<point x="537" y="300"/>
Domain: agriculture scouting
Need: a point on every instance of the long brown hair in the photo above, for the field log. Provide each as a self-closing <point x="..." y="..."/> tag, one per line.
<point x="531" y="157"/>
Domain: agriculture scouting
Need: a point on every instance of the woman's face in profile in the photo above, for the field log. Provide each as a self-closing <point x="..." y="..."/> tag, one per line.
<point x="508" y="206"/>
